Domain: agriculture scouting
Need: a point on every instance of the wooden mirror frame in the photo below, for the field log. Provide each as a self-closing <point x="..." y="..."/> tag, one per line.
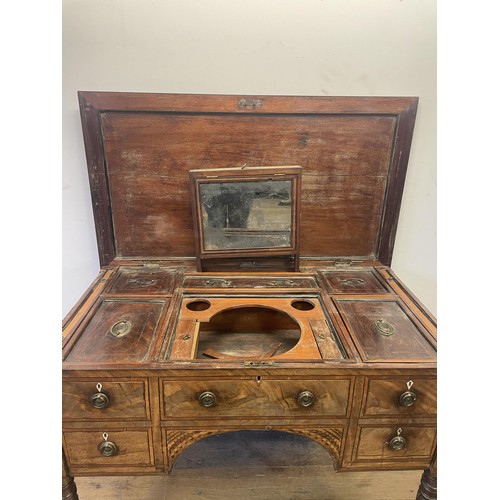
<point x="238" y="258"/>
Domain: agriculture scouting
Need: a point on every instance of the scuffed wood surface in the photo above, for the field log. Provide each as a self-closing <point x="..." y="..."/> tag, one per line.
<point x="298" y="483"/>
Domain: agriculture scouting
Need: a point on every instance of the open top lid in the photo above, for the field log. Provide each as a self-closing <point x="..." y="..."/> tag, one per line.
<point x="140" y="148"/>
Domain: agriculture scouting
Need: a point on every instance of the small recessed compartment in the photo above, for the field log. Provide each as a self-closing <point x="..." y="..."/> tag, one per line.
<point x="199" y="305"/>
<point x="303" y="305"/>
<point x="247" y="332"/>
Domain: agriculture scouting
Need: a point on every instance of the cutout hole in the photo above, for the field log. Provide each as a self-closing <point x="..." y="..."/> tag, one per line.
<point x="303" y="305"/>
<point x="247" y="332"/>
<point x="199" y="305"/>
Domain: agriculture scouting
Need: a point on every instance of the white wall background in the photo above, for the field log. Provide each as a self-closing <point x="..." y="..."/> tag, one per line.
<point x="299" y="47"/>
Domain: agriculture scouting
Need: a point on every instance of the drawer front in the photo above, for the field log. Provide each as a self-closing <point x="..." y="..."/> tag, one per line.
<point x="255" y="398"/>
<point x="133" y="448"/>
<point x="402" y="396"/>
<point x="374" y="443"/>
<point x="127" y="399"/>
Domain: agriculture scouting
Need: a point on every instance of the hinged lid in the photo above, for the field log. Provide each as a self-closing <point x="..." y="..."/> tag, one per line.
<point x="140" y="148"/>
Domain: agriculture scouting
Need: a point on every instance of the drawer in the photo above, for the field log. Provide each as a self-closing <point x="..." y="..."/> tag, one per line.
<point x="125" y="399"/>
<point x="255" y="398"/>
<point x="132" y="448"/>
<point x="354" y="282"/>
<point x="373" y="443"/>
<point x="401" y="396"/>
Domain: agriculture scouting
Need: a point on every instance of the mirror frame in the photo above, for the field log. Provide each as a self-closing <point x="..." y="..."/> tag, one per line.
<point x="241" y="175"/>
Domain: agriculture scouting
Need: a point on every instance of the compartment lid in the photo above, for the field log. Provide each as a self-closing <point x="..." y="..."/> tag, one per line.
<point x="384" y="332"/>
<point x="140" y="147"/>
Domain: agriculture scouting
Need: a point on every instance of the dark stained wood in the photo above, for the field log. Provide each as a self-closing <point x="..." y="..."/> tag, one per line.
<point x="428" y="483"/>
<point x="140" y="147"/>
<point x="99" y="189"/>
<point x="353" y="282"/>
<point x="407" y="343"/>
<point x="96" y="342"/>
<point x="69" y="490"/>
<point x="143" y="281"/>
<point x="400" y="156"/>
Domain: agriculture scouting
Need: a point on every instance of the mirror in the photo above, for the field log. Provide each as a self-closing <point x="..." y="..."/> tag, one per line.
<point x="254" y="214"/>
<point x="250" y="212"/>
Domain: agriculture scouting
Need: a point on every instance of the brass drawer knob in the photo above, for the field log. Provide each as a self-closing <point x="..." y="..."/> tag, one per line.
<point x="408" y="397"/>
<point x="107" y="448"/>
<point x="397" y="442"/>
<point x="99" y="400"/>
<point x="207" y="399"/>
<point x="305" y="398"/>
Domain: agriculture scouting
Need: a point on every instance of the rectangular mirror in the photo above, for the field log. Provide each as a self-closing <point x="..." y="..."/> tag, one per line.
<point x="245" y="212"/>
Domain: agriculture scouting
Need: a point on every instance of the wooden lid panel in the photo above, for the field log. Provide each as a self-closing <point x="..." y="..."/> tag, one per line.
<point x="140" y="148"/>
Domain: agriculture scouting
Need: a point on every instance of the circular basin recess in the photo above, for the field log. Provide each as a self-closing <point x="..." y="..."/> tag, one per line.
<point x="199" y="305"/>
<point x="250" y="332"/>
<point x="303" y="305"/>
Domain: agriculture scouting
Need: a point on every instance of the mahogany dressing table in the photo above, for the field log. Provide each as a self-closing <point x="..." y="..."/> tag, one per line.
<point x="245" y="246"/>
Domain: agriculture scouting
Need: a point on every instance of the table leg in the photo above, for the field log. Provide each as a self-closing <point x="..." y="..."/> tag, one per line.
<point x="428" y="483"/>
<point x="68" y="483"/>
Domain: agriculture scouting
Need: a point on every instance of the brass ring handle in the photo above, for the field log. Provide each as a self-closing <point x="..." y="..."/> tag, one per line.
<point x="305" y="398"/>
<point x="408" y="397"/>
<point x="121" y="328"/>
<point x="107" y="448"/>
<point x="384" y="327"/>
<point x="207" y="399"/>
<point x="99" y="400"/>
<point x="397" y="442"/>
